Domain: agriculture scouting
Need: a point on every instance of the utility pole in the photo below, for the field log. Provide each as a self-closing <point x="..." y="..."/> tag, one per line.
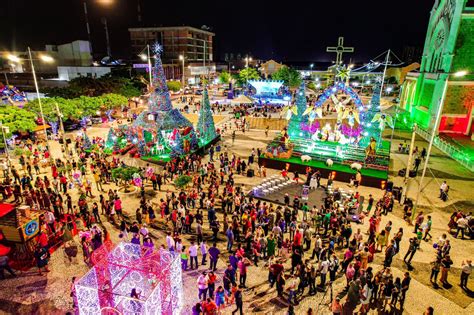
<point x="383" y="77"/>
<point x="63" y="134"/>
<point x="407" y="173"/>
<point x="89" y="38"/>
<point x="107" y="39"/>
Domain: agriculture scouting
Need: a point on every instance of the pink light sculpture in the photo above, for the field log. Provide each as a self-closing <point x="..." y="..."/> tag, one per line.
<point x="155" y="275"/>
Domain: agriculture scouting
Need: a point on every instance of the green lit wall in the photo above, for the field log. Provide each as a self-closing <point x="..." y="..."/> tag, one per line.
<point x="449" y="47"/>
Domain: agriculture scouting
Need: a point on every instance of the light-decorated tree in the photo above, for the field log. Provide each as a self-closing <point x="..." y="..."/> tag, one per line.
<point x="86" y="142"/>
<point x="298" y="120"/>
<point x="205" y="126"/>
<point x="224" y="77"/>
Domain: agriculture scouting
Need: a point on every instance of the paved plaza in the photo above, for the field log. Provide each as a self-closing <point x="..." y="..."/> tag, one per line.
<point x="31" y="293"/>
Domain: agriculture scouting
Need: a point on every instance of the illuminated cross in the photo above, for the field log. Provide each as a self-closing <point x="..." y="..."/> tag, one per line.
<point x="340" y="49"/>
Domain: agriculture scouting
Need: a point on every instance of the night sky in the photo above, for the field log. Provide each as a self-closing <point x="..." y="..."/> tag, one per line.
<point x="295" y="31"/>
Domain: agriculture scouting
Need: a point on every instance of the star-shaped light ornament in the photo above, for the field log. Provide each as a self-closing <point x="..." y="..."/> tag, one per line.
<point x="157" y="48"/>
<point x="343" y="73"/>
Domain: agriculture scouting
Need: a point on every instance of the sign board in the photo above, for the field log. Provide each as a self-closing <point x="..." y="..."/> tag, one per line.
<point x="305" y="192"/>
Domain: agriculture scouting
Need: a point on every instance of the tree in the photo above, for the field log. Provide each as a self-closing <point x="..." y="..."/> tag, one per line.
<point x="247" y="74"/>
<point x="17" y="119"/>
<point x="182" y="181"/>
<point x="205" y="126"/>
<point x="111" y="100"/>
<point x="298" y="121"/>
<point x="125" y="175"/>
<point x="85" y="86"/>
<point x="290" y="76"/>
<point x="224" y="77"/>
<point x="174" y="86"/>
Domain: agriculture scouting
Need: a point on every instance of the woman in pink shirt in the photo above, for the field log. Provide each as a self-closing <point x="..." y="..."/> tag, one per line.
<point x="350" y="272"/>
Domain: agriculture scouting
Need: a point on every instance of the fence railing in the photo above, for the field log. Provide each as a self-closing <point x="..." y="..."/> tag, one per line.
<point x="454" y="152"/>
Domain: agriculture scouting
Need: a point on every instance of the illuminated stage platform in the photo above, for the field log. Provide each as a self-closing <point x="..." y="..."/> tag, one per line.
<point x="270" y="92"/>
<point x="374" y="174"/>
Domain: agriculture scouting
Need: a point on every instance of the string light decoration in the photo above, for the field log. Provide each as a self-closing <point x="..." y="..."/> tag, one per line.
<point x="298" y="121"/>
<point x="160" y="125"/>
<point x="154" y="274"/>
<point x="205" y="126"/>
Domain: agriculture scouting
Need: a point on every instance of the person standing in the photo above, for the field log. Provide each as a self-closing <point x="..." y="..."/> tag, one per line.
<point x="405" y="286"/>
<point x="242" y="265"/>
<point x="446" y="263"/>
<point x="419" y="221"/>
<point x="202" y="282"/>
<point x="411" y="250"/>
<point x="193" y="253"/>
<point x="5" y="266"/>
<point x="428" y="229"/>
<point x="214" y="253"/>
<point x="435" y="267"/>
<point x="238" y="300"/>
<point x="466" y="270"/>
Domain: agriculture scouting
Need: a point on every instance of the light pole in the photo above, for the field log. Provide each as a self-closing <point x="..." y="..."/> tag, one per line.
<point x="147" y="58"/>
<point x="60" y="116"/>
<point x="181" y="57"/>
<point x="5" y="142"/>
<point x="407" y="173"/>
<point x="247" y="59"/>
<point x="433" y="134"/>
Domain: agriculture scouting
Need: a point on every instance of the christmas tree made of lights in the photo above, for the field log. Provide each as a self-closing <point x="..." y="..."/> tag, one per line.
<point x="161" y="116"/>
<point x="298" y="121"/>
<point x="205" y="126"/>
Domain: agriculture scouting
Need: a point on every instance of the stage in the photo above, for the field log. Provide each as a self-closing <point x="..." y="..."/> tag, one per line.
<point x="315" y="196"/>
<point x="341" y="172"/>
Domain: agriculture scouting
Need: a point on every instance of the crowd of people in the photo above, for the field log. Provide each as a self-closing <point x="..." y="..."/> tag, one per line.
<point x="213" y="220"/>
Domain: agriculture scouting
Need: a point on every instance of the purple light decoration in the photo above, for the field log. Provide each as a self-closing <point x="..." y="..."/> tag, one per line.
<point x="107" y="286"/>
<point x="351" y="132"/>
<point x="311" y="128"/>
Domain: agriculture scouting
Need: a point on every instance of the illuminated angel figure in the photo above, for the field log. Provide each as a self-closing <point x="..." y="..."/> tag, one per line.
<point x="288" y="111"/>
<point x="313" y="112"/>
<point x="351" y="115"/>
<point x="383" y="119"/>
<point x="340" y="106"/>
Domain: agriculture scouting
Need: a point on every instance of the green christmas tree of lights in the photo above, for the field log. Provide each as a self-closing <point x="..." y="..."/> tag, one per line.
<point x="86" y="142"/>
<point x="205" y="126"/>
<point x="298" y="121"/>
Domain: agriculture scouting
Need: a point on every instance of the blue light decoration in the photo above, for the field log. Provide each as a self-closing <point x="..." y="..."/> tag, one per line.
<point x="297" y="123"/>
<point x="339" y="87"/>
<point x="31" y="228"/>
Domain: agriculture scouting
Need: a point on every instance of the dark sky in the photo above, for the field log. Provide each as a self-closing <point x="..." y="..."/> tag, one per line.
<point x="293" y="31"/>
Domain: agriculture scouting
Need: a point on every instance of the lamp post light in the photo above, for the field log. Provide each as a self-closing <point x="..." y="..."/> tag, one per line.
<point x="5" y="142"/>
<point x="181" y="57"/>
<point x="433" y="134"/>
<point x="44" y="58"/>
<point x="247" y="60"/>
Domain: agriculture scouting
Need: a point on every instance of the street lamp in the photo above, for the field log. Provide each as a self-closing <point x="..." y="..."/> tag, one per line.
<point x="457" y="74"/>
<point x="181" y="57"/>
<point x="247" y="59"/>
<point x="5" y="141"/>
<point x="44" y="58"/>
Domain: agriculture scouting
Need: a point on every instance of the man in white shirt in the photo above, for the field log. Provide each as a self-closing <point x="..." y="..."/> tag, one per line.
<point x="193" y="254"/>
<point x="323" y="269"/>
<point x="202" y="282"/>
<point x="466" y="270"/>
<point x="461" y="225"/>
<point x="49" y="218"/>
<point x="293" y="288"/>
<point x="170" y="242"/>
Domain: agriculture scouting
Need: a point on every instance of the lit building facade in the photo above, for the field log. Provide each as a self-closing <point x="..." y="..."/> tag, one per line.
<point x="196" y="45"/>
<point x="449" y="48"/>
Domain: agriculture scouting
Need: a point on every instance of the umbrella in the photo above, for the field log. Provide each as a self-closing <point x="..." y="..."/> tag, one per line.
<point x="4" y="250"/>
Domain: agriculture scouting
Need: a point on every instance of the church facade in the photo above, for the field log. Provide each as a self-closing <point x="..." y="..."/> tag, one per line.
<point x="448" y="49"/>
